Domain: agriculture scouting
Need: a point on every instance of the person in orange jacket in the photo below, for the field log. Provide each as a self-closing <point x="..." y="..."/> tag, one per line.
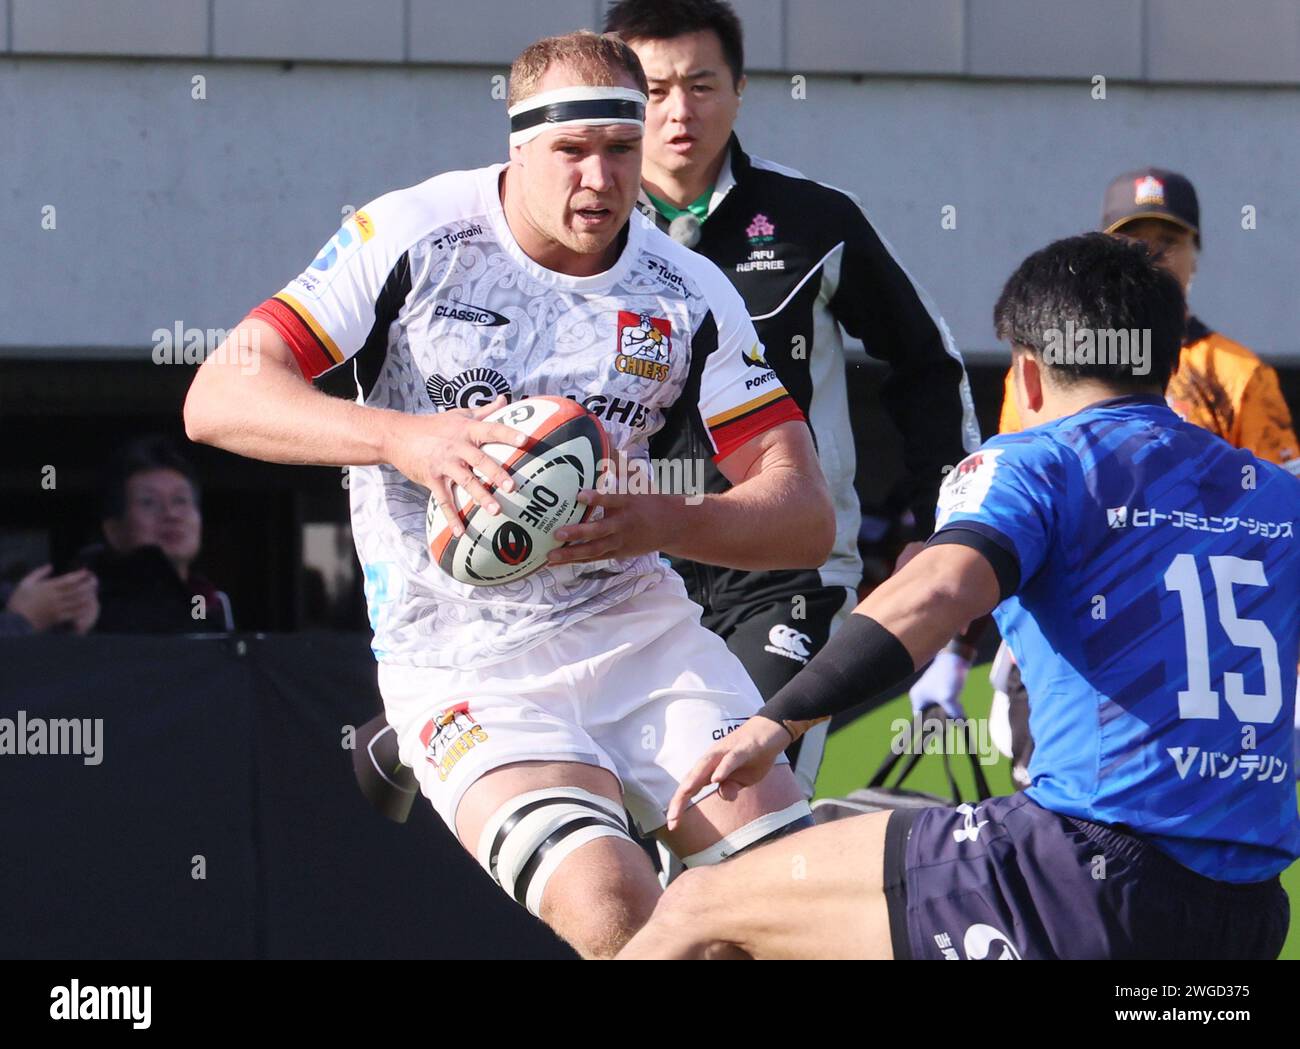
<point x="1220" y="384"/>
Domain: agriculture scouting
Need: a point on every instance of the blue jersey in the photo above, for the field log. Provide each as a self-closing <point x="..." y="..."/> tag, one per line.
<point x="1151" y="586"/>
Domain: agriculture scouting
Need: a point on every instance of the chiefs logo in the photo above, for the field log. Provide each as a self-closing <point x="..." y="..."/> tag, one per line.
<point x="449" y="736"/>
<point x="645" y="346"/>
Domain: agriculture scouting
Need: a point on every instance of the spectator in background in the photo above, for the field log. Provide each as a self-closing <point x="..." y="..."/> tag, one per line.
<point x="152" y="526"/>
<point x="41" y="601"/>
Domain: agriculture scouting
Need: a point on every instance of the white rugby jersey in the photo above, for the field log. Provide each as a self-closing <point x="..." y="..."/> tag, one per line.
<point x="430" y="296"/>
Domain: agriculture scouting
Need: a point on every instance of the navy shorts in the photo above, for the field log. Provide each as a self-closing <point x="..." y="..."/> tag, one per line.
<point x="1009" y="879"/>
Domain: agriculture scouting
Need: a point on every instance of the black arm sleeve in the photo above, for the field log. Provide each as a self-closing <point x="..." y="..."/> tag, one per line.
<point x="861" y="660"/>
<point x="1003" y="561"/>
<point x="877" y="302"/>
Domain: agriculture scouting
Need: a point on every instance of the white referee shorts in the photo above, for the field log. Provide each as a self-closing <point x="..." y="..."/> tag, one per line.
<point x="641" y="689"/>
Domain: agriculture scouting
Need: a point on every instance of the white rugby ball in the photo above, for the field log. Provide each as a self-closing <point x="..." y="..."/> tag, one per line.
<point x="561" y="458"/>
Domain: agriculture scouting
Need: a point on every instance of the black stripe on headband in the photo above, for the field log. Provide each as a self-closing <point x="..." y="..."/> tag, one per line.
<point x="586" y="109"/>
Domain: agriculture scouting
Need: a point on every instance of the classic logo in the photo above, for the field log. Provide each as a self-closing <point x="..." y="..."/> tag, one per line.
<point x="453" y="237"/>
<point x="761" y="230"/>
<point x="449" y="736"/>
<point x="512" y="544"/>
<point x="786" y="641"/>
<point x="728" y="726"/>
<point x="469" y="389"/>
<point x="644" y="346"/>
<point x="1117" y="517"/>
<point x="463" y="311"/>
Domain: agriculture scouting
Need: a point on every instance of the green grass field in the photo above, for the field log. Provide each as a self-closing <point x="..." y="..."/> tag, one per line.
<point x="854" y="752"/>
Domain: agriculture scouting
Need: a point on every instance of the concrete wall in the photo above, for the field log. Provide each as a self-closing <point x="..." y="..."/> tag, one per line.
<point x="174" y="209"/>
<point x="1246" y="41"/>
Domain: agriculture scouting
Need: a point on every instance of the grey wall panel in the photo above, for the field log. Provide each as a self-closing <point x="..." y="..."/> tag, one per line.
<point x="764" y="26"/>
<point x="1209" y="40"/>
<point x="490" y="31"/>
<point x="875" y="36"/>
<point x="1055" y="38"/>
<point x="169" y="209"/>
<point x="111" y="27"/>
<point x="332" y="30"/>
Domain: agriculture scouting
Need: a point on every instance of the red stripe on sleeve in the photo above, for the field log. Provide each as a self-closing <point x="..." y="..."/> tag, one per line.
<point x="730" y="436"/>
<point x="313" y="360"/>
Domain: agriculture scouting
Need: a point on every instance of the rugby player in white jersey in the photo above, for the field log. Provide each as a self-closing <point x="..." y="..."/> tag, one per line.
<point x="534" y="713"/>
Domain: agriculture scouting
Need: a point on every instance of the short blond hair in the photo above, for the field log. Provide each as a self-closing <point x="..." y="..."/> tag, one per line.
<point x="598" y="60"/>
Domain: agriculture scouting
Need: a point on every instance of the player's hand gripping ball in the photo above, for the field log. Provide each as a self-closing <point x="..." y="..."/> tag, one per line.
<point x="562" y="457"/>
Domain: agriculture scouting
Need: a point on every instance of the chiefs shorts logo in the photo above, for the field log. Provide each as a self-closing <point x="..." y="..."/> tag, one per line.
<point x="645" y="346"/>
<point x="449" y="736"/>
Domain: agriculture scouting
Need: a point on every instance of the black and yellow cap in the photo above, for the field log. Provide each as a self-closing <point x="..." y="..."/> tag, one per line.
<point x="1151" y="193"/>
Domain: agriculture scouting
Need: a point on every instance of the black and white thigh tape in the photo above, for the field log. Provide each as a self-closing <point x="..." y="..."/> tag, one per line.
<point x="794" y="818"/>
<point x="529" y="836"/>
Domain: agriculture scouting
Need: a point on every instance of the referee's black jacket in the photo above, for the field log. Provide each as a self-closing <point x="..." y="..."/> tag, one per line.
<point x="806" y="260"/>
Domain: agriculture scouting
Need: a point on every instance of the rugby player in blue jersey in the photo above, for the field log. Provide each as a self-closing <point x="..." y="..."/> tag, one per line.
<point x="1144" y="572"/>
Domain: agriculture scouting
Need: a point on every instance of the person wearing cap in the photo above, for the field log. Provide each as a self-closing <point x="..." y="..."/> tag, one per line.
<point x="537" y="715"/>
<point x="1219" y="385"/>
<point x="810" y="267"/>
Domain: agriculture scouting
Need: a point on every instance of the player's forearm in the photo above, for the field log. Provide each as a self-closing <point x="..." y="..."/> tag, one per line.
<point x="270" y="412"/>
<point x="773" y="520"/>
<point x="901" y="625"/>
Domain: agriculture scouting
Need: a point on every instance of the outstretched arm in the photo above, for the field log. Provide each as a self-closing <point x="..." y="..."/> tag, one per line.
<point x="900" y="626"/>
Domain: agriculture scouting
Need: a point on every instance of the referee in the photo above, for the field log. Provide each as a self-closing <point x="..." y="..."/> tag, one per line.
<point x="809" y="265"/>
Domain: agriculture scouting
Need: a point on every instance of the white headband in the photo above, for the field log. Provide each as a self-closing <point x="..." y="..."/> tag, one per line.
<point x="583" y="105"/>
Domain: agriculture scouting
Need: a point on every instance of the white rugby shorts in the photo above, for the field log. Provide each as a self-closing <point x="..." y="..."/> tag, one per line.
<point x="641" y="689"/>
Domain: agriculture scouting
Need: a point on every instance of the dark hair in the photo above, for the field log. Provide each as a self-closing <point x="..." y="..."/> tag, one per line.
<point x="1094" y="283"/>
<point x="665" y="19"/>
<point x="598" y="60"/>
<point x="152" y="452"/>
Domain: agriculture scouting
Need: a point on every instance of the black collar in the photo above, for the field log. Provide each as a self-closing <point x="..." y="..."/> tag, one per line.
<point x="740" y="162"/>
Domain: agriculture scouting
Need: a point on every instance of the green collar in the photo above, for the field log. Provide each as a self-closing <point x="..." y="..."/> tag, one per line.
<point x="699" y="207"/>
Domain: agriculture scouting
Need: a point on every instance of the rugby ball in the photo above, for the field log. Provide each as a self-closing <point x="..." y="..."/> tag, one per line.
<point x="566" y="445"/>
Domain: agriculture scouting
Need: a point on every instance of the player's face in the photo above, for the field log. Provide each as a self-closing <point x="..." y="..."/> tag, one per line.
<point x="1172" y="247"/>
<point x="693" y="101"/>
<point x="160" y="511"/>
<point x="579" y="183"/>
